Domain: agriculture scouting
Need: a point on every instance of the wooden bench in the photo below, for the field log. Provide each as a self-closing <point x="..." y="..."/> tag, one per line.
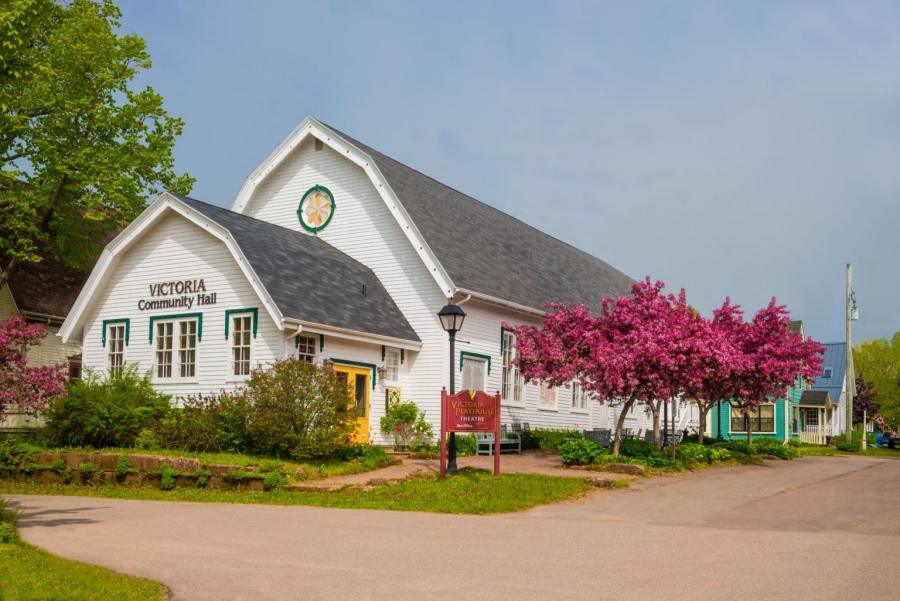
<point x="509" y="443"/>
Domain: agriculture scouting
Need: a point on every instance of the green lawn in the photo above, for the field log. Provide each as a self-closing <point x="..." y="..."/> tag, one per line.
<point x="30" y="574"/>
<point x="473" y="491"/>
<point x="831" y="451"/>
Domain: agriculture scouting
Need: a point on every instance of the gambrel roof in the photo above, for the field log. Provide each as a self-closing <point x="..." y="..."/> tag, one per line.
<point x="469" y="247"/>
<point x="487" y="251"/>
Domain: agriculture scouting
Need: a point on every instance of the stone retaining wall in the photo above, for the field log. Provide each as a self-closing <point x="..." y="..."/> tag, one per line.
<point x="39" y="467"/>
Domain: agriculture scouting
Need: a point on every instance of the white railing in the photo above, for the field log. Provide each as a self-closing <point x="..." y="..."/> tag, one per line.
<point x="813" y="435"/>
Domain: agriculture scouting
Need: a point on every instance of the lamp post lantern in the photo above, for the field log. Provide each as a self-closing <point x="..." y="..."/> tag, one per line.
<point x="451" y="320"/>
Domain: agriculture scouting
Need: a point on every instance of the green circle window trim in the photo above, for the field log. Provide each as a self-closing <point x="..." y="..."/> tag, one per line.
<point x="316" y="209"/>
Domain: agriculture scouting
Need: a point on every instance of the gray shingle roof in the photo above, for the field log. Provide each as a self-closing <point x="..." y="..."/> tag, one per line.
<point x="487" y="251"/>
<point x="815" y="398"/>
<point x="309" y="279"/>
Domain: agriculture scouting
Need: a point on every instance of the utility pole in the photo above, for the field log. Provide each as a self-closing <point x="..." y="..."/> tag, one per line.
<point x="847" y="372"/>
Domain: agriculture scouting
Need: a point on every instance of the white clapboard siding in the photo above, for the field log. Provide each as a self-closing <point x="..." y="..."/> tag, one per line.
<point x="52" y="350"/>
<point x="363" y="228"/>
<point x="7" y="304"/>
<point x="176" y="249"/>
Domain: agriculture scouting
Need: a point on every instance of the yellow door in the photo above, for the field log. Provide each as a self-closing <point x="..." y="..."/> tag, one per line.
<point x="359" y="387"/>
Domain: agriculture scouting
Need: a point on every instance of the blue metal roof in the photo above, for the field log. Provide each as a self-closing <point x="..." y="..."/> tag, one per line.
<point x="836" y="359"/>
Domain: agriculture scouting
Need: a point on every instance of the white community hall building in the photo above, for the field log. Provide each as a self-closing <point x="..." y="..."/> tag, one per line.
<point x="334" y="252"/>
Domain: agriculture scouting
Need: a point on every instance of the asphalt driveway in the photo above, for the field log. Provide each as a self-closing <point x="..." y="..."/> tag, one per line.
<point x="813" y="528"/>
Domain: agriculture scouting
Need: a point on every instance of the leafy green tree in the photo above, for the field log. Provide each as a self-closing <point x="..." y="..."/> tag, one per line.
<point x="80" y="150"/>
<point x="878" y="362"/>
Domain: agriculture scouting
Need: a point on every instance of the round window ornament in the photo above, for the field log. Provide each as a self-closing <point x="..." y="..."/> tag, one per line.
<point x="316" y="208"/>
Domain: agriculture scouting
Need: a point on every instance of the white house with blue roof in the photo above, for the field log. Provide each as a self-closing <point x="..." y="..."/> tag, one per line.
<point x="834" y="381"/>
<point x="335" y="253"/>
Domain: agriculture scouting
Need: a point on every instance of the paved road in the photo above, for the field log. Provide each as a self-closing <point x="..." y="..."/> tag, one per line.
<point x="815" y="528"/>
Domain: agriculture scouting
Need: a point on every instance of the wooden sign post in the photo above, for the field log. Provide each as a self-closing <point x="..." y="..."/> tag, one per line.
<point x="470" y="411"/>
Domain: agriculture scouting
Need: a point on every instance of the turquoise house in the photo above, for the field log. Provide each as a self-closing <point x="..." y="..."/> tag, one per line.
<point x="779" y="419"/>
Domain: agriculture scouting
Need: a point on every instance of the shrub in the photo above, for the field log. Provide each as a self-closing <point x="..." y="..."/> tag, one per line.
<point x="850" y="447"/>
<point x="203" y="477"/>
<point x="695" y="453"/>
<point x="123" y="466"/>
<point x="146" y="441"/>
<point x="466" y="445"/>
<point x="8" y="520"/>
<point x="207" y="423"/>
<point x="297" y="410"/>
<point x="272" y="481"/>
<point x="87" y="469"/>
<point x="771" y="446"/>
<point x="633" y="447"/>
<point x="580" y="452"/>
<point x="8" y="533"/>
<point x="59" y="465"/>
<point x="105" y="412"/>
<point x="367" y="454"/>
<point x="167" y="477"/>
<point x="542" y="438"/>
<point x="407" y="425"/>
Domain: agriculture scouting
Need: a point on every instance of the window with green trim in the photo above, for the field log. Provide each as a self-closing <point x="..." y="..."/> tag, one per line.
<point x="176" y="338"/>
<point x="241" y="329"/>
<point x="115" y="337"/>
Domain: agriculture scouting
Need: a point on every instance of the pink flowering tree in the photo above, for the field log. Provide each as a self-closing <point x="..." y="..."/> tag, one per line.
<point x="717" y="363"/>
<point x="774" y="358"/>
<point x="32" y="388"/>
<point x="625" y="355"/>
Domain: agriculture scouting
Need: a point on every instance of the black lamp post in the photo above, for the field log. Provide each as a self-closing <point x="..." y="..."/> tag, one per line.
<point x="451" y="320"/>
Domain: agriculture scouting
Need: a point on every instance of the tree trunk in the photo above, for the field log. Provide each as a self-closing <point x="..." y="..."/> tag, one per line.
<point x="619" y="423"/>
<point x="749" y="429"/>
<point x="8" y="271"/>
<point x="704" y="412"/>
<point x="657" y="437"/>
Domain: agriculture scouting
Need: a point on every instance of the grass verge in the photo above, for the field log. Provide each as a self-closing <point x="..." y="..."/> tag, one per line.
<point x="472" y="492"/>
<point x="30" y="574"/>
<point x="811" y="451"/>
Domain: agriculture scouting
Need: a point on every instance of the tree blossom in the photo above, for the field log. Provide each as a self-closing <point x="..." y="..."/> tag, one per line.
<point x="32" y="388"/>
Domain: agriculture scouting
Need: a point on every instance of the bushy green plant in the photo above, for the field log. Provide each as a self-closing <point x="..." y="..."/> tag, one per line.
<point x="695" y="453"/>
<point x="8" y="533"/>
<point x="771" y="446"/>
<point x="123" y="466"/>
<point x="203" y="477"/>
<point x="8" y="520"/>
<point x="106" y="411"/>
<point x="272" y="481"/>
<point x="59" y="465"/>
<point x="544" y="438"/>
<point x="212" y="423"/>
<point x="297" y="410"/>
<point x="850" y="447"/>
<point x="146" y="441"/>
<point x="466" y="445"/>
<point x="407" y="425"/>
<point x="634" y="447"/>
<point x="167" y="477"/>
<point x="87" y="469"/>
<point x="580" y="452"/>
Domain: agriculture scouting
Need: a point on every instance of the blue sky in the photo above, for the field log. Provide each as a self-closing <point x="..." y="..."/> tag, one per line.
<point x="747" y="149"/>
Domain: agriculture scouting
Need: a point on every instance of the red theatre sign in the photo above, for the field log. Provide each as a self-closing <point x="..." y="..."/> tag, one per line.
<point x="470" y="411"/>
